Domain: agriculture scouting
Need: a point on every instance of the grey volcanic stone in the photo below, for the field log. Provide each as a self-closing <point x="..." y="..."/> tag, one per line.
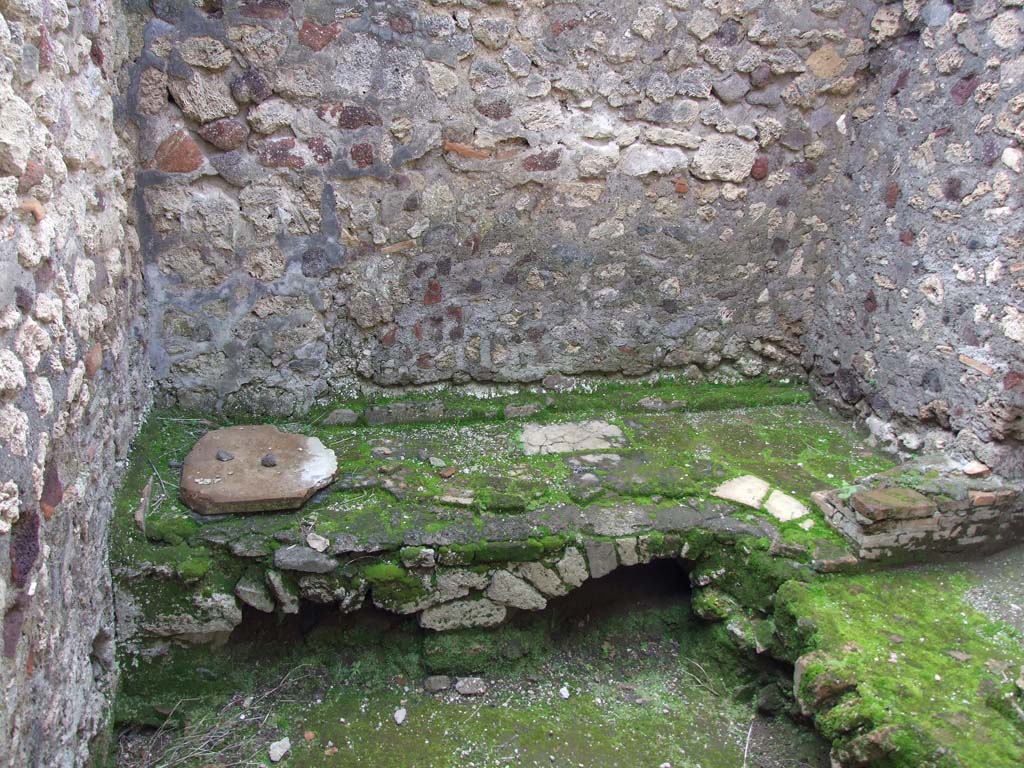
<point x="572" y="567"/>
<point x="255" y="594"/>
<point x="479" y="612"/>
<point x="543" y="578"/>
<point x="732" y="88"/>
<point x="471" y="686"/>
<point x="512" y="591"/>
<point x="341" y="416"/>
<point x="299" y="558"/>
<point x="437" y="683"/>
<point x="286" y="595"/>
<point x="521" y="411"/>
<point x="210" y="620"/>
<point x="601" y="557"/>
<point x="404" y="413"/>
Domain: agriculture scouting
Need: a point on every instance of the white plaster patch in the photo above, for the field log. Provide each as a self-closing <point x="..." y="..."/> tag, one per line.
<point x="571" y="436"/>
<point x="320" y="464"/>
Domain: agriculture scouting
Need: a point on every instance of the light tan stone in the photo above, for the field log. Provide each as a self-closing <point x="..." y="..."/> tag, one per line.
<point x="243" y="484"/>
<point x="826" y="62"/>
<point x="746" y="490"/>
<point x="784" y="507"/>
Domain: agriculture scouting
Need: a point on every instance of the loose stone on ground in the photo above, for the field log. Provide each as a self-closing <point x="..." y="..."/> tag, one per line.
<point x="279" y="749"/>
<point x="471" y="686"/>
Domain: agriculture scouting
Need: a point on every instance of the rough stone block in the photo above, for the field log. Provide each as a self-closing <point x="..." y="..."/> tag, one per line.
<point x="601" y="558"/>
<point x="249" y="483"/>
<point x="514" y="592"/>
<point x="461" y="614"/>
<point x="892" y="504"/>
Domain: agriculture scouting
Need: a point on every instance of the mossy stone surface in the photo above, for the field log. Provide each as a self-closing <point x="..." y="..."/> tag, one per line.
<point x="913" y="663"/>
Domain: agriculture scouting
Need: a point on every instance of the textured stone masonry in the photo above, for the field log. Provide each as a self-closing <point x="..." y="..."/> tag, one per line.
<point x="73" y="374"/>
<point x="492" y="193"/>
<point x="328" y="197"/>
<point x="926" y="509"/>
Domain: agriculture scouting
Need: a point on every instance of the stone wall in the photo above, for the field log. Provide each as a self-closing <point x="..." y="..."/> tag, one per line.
<point x="920" y="329"/>
<point x="411" y="192"/>
<point x="71" y="370"/>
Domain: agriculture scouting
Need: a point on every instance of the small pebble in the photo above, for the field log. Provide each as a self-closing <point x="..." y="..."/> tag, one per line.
<point x="563" y="692"/>
<point x="223" y="455"/>
<point x="269" y="460"/>
<point x="437" y="683"/>
<point x="400" y="714"/>
<point x="471" y="686"/>
<point x="318" y="542"/>
<point x="279" y="749"/>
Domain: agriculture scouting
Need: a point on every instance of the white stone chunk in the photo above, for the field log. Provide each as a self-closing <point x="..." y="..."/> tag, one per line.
<point x="746" y="490"/>
<point x="784" y="507"/>
<point x="641" y="160"/>
<point x="463" y="613"/>
<point x="1013" y="159"/>
<point x="572" y="567"/>
<point x="514" y="592"/>
<point x="279" y="749"/>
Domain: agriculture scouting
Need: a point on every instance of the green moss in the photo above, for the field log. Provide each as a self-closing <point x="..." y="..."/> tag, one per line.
<point x="899" y="636"/>
<point x="713" y="605"/>
<point x="477" y="651"/>
<point x="591" y="396"/>
<point x="393" y="586"/>
<point x="496" y="551"/>
<point x="745" y="572"/>
<point x="851" y="714"/>
<point x="384" y="573"/>
<point x="171" y="526"/>
<point x="195" y="566"/>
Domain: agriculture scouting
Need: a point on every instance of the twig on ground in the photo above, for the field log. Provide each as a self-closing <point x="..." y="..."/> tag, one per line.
<point x="703" y="680"/>
<point x="746" y="748"/>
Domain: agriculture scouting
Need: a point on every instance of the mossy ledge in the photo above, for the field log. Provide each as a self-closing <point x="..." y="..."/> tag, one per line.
<point x="451" y="522"/>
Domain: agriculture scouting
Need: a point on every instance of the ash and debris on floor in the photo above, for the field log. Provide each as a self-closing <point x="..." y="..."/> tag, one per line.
<point x="999" y="592"/>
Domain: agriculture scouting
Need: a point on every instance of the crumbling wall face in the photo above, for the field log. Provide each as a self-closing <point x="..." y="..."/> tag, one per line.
<point x="412" y="192"/>
<point x="71" y="370"/>
<point x="920" y="326"/>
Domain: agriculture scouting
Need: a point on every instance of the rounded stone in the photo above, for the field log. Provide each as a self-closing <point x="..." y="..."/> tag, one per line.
<point x="303" y="466"/>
